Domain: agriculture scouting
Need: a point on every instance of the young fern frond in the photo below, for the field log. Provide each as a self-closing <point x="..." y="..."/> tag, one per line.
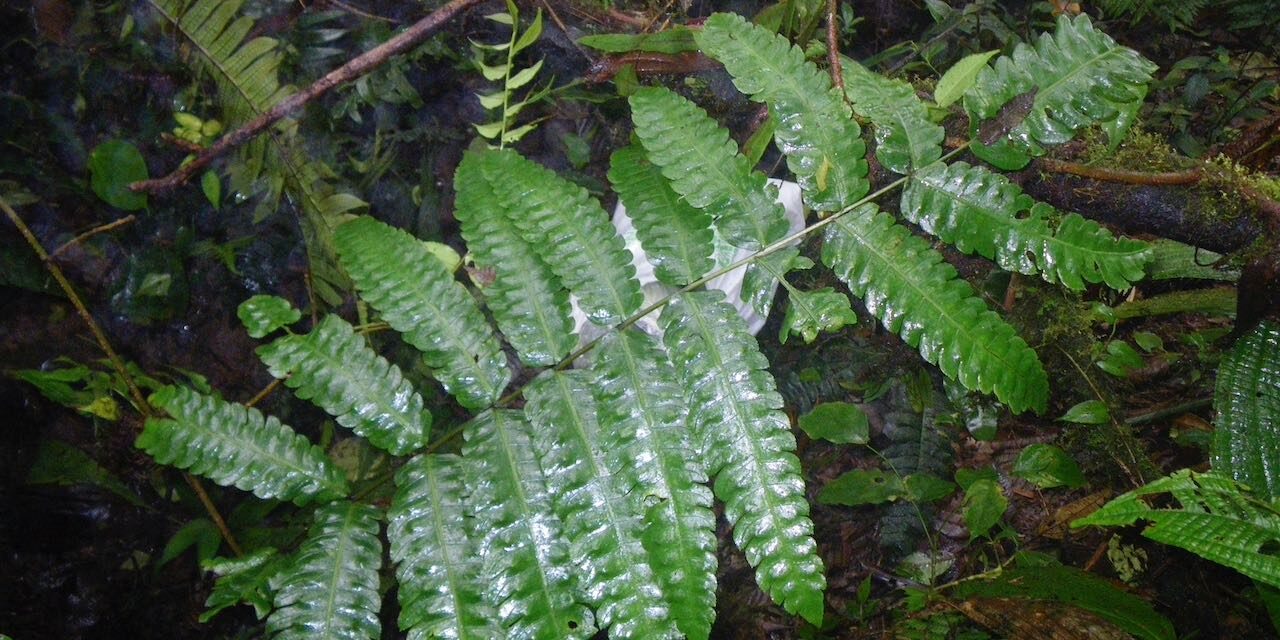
<point x="433" y="312"/>
<point x="638" y="393"/>
<point x="528" y="301"/>
<point x="331" y="588"/>
<point x="905" y="137"/>
<point x="676" y="237"/>
<point x="601" y="524"/>
<point x="1075" y="77"/>
<point x="984" y="213"/>
<point x="916" y="294"/>
<point x="503" y="130"/>
<point x="746" y="443"/>
<point x="333" y="368"/>
<point x="532" y="582"/>
<point x="441" y="595"/>
<point x="234" y="445"/>
<point x="822" y="143"/>
<point x="570" y="231"/>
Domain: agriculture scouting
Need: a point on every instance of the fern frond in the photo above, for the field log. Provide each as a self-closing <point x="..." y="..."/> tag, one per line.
<point x="437" y="565"/>
<point x="567" y="227"/>
<point x="330" y="591"/>
<point x="528" y="301"/>
<point x="1246" y="442"/>
<point x="676" y="237"/>
<point x="640" y="399"/>
<point x="531" y="580"/>
<point x="705" y="168"/>
<point x="917" y="295"/>
<point x="601" y="524"/>
<point x="1175" y="15"/>
<point x="1219" y="520"/>
<point x="419" y="298"/>
<point x="1080" y="77"/>
<point x="906" y="138"/>
<point x="746" y="443"/>
<point x="235" y="445"/>
<point x="916" y="446"/>
<point x="984" y="213"/>
<point x="815" y="130"/>
<point x="333" y="368"/>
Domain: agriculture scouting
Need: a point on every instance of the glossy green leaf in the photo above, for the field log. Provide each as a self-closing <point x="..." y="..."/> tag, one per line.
<point x="1047" y="466"/>
<point x="984" y="213"/>
<point x="529" y="578"/>
<point x="838" y="422"/>
<point x="433" y="312"/>
<point x="334" y="369"/>
<point x="211" y="186"/>
<point x="601" y="524"/>
<point x="705" y="168"/>
<point x="263" y="314"/>
<point x="747" y="445"/>
<point x="906" y="138"/>
<point x="812" y="312"/>
<point x="113" y="166"/>
<point x="676" y="237"/>
<point x="245" y="579"/>
<point x="640" y="398"/>
<point x="570" y="232"/>
<point x="1088" y="412"/>
<point x="439" y="568"/>
<point x="528" y="301"/>
<point x="235" y="445"/>
<point x="1246" y="443"/>
<point x="815" y="130"/>
<point x="677" y="39"/>
<point x="1215" y="518"/>
<point x="331" y="588"/>
<point x="1120" y="359"/>
<point x="917" y="295"/>
<point x="922" y="487"/>
<point x="984" y="505"/>
<point x="959" y="77"/>
<point x="863" y="486"/>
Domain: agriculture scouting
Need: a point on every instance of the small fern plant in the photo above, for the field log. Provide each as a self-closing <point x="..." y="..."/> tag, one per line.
<point x="587" y="506"/>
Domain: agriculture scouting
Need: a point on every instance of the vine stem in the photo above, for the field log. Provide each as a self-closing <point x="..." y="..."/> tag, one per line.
<point x="117" y="363"/>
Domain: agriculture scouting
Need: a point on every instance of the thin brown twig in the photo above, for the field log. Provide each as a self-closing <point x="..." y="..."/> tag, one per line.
<point x="354" y="68"/>
<point x="360" y="12"/>
<point x="833" y="44"/>
<point x="262" y="395"/>
<point x="116" y="361"/>
<point x="102" y="228"/>
<point x="1106" y="174"/>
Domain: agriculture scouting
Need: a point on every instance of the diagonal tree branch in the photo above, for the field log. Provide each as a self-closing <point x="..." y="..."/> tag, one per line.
<point x="353" y="69"/>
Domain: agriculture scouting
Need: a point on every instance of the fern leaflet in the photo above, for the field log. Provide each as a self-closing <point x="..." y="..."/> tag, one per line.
<point x="333" y="368"/>
<point x="1246" y="443"/>
<point x="420" y="299"/>
<point x="905" y="137"/>
<point x="235" y="445"/>
<point x="983" y="212"/>
<point x="639" y="397"/>
<point x="331" y="589"/>
<point x="439" y="571"/>
<point x="916" y="294"/>
<point x="601" y="525"/>
<point x="747" y="446"/>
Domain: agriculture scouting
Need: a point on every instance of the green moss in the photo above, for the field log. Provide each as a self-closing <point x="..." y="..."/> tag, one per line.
<point x="1140" y="151"/>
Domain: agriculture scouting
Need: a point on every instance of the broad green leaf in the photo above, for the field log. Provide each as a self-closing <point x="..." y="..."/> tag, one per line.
<point x="334" y="369"/>
<point x="1246" y="443"/>
<point x="906" y="138"/>
<point x="521" y="78"/>
<point x="530" y="35"/>
<point x="811" y="312"/>
<point x="863" y="486"/>
<point x="746" y="443"/>
<point x="113" y="166"/>
<point x="838" y="422"/>
<point x="966" y="477"/>
<point x="57" y="462"/>
<point x="527" y="299"/>
<point x="1047" y="466"/>
<point x="330" y="591"/>
<point x="263" y="314"/>
<point x="1088" y="412"/>
<point x="438" y="567"/>
<point x="243" y="580"/>
<point x="959" y="77"/>
<point x="923" y="488"/>
<point x="199" y="533"/>
<point x="815" y="130"/>
<point x="984" y="505"/>
<point x="419" y="298"/>
<point x="677" y="39"/>
<point x="211" y="186"/>
<point x="1120" y="359"/>
<point x="601" y="524"/>
<point x="1216" y="518"/>
<point x="917" y="295"/>
<point x="235" y="445"/>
